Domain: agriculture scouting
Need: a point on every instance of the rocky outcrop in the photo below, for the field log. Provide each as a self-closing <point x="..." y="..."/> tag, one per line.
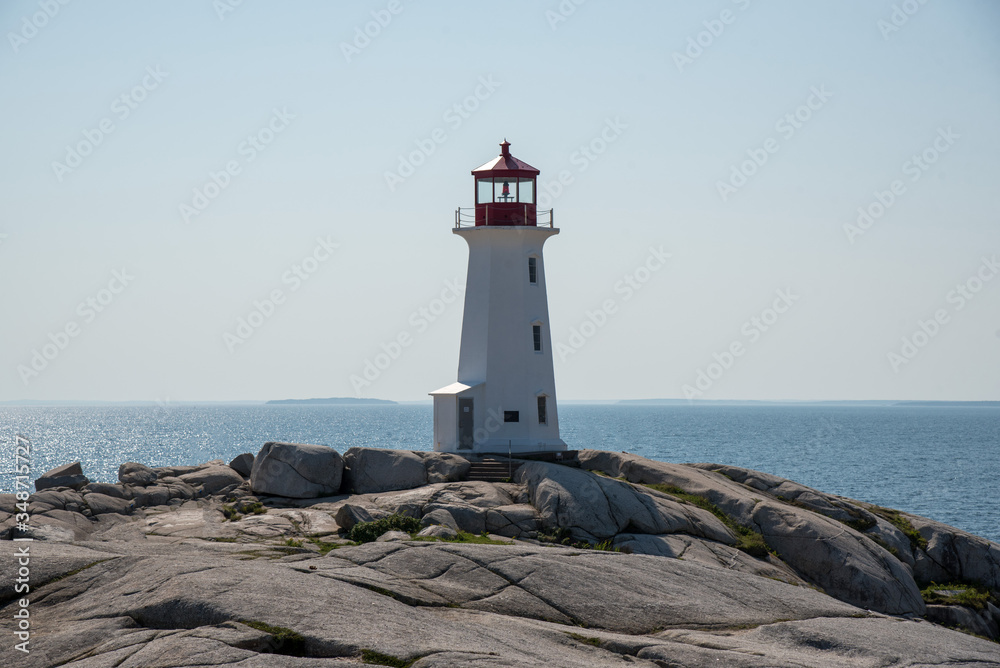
<point x="371" y="470"/>
<point x="440" y="604"/>
<point x="213" y="479"/>
<point x="297" y="470"/>
<point x="350" y="514"/>
<point x="134" y="473"/>
<point x="100" y="504"/>
<point x="374" y="470"/>
<point x="952" y="555"/>
<point x="691" y="548"/>
<point x="441" y="517"/>
<point x="565" y="567"/>
<point x="596" y="508"/>
<point x="444" y="466"/>
<point x="242" y="464"/>
<point x="438" y="531"/>
<point x="823" y="551"/>
<point x="68" y="475"/>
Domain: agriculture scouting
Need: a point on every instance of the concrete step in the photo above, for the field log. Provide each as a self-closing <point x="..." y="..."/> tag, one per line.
<point x="492" y="471"/>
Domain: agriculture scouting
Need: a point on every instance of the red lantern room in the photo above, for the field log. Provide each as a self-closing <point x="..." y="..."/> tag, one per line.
<point x="505" y="192"/>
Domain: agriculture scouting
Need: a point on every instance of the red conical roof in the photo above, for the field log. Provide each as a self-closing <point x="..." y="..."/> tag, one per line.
<point x="505" y="165"/>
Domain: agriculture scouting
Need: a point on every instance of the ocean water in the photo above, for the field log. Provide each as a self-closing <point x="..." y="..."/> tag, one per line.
<point x="940" y="462"/>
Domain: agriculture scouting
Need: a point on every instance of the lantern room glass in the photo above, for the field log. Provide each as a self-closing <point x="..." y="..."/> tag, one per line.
<point x="505" y="189"/>
<point x="526" y="191"/>
<point x="484" y="191"/>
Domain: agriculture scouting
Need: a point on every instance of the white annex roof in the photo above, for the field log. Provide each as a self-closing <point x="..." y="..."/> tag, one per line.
<point x="454" y="388"/>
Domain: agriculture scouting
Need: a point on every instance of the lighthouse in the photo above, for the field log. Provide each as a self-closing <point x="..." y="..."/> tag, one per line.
<point x="505" y="396"/>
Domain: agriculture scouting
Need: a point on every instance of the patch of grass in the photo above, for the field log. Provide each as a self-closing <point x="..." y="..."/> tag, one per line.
<point x="595" y="642"/>
<point x="285" y="550"/>
<point x="256" y="508"/>
<point x="897" y="520"/>
<point x="372" y="657"/>
<point x="293" y="542"/>
<point x="366" y="532"/>
<point x="563" y="536"/>
<point x="286" y="641"/>
<point x="323" y="546"/>
<point x="231" y="514"/>
<point x="463" y="537"/>
<point x="749" y="541"/>
<point x="971" y="596"/>
<point x="859" y="521"/>
<point x="606" y="546"/>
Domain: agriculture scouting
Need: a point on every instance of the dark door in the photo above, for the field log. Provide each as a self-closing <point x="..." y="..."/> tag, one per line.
<point x="466" y="426"/>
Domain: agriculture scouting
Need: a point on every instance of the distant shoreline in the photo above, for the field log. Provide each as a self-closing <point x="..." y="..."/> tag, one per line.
<point x="847" y="402"/>
<point x="351" y="401"/>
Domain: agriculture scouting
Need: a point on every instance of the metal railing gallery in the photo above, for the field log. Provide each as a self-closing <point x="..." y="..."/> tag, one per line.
<point x="466" y="217"/>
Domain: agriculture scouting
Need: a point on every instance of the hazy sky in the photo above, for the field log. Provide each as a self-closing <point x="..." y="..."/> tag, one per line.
<point x="172" y="167"/>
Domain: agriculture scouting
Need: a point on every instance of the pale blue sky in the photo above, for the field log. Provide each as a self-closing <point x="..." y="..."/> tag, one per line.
<point x="676" y="134"/>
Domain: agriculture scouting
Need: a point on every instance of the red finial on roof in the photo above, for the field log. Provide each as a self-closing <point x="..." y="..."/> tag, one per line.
<point x="505" y="148"/>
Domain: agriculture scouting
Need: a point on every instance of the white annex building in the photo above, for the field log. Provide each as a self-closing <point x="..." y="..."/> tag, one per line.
<point x="505" y="396"/>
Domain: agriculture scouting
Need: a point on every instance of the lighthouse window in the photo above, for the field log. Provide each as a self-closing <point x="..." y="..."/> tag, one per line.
<point x="536" y="334"/>
<point x="484" y="191"/>
<point x="532" y="270"/>
<point x="511" y="416"/>
<point x="526" y="191"/>
<point x="543" y="418"/>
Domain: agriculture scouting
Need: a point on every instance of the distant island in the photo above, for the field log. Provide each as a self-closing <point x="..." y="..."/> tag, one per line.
<point x="331" y="401"/>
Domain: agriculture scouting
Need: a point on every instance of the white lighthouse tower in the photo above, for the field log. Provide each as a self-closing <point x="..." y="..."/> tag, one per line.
<point x="505" y="397"/>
